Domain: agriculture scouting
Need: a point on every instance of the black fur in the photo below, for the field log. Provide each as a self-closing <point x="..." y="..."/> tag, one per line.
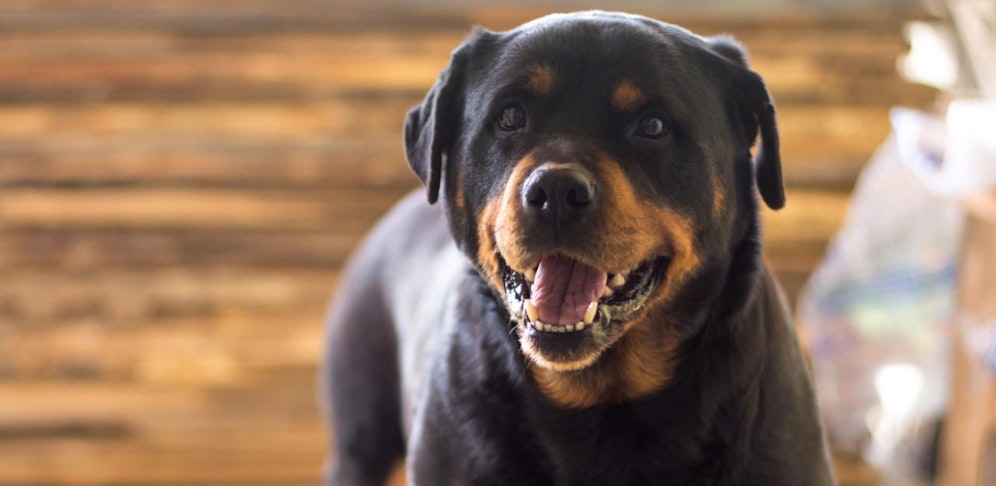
<point x="422" y="358"/>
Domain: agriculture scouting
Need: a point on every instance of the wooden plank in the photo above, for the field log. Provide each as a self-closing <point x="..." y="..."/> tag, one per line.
<point x="151" y="122"/>
<point x="130" y="207"/>
<point x="241" y="163"/>
<point x="172" y="434"/>
<point x="219" y="16"/>
<point x="206" y="348"/>
<point x="38" y="297"/>
<point x="133" y="462"/>
<point x="79" y="249"/>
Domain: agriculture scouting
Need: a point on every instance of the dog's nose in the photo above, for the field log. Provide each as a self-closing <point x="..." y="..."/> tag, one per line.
<point x="558" y="194"/>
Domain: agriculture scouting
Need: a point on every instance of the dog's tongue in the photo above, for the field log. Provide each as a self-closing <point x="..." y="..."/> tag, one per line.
<point x="564" y="288"/>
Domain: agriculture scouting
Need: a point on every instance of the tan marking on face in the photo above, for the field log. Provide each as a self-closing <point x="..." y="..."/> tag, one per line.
<point x="641" y="359"/>
<point x="627" y="97"/>
<point x="718" y="197"/>
<point x="510" y="221"/>
<point x="540" y="80"/>
<point x="649" y="230"/>
<point x="639" y="356"/>
<point x="496" y="227"/>
<point x="487" y="250"/>
<point x="458" y="198"/>
<point x="628" y="231"/>
<point x="641" y="362"/>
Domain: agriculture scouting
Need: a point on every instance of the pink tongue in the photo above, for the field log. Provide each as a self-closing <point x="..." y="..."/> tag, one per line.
<point x="564" y="288"/>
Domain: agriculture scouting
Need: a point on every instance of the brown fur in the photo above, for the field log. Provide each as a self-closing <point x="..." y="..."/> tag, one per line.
<point x="718" y="198"/>
<point x="487" y="250"/>
<point x="649" y="230"/>
<point x="626" y="371"/>
<point x="627" y="97"/>
<point x="540" y="80"/>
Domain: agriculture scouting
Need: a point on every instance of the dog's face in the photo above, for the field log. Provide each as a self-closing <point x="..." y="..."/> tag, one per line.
<point x="595" y="165"/>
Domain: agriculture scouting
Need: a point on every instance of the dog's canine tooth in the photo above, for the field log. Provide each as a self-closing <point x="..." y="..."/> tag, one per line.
<point x="617" y="280"/>
<point x="589" y="314"/>
<point x="531" y="310"/>
<point x="530" y="274"/>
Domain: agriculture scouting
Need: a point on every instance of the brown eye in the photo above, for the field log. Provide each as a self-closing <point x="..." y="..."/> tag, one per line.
<point x="513" y="117"/>
<point x="653" y="127"/>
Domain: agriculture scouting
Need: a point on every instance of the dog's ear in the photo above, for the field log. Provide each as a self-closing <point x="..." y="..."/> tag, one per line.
<point x="768" y="162"/>
<point x="760" y="113"/>
<point x="430" y="126"/>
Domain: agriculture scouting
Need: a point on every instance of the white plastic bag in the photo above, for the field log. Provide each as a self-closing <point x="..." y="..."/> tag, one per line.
<point x="876" y="309"/>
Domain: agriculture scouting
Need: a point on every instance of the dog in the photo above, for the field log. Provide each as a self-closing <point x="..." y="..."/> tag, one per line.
<point x="588" y="304"/>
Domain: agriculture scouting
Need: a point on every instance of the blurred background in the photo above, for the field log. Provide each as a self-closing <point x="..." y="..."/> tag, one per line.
<point x="181" y="182"/>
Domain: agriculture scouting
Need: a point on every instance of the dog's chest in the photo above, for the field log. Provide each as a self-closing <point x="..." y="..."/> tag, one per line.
<point x="626" y="447"/>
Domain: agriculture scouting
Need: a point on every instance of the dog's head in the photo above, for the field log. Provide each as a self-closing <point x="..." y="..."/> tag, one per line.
<point x="594" y="165"/>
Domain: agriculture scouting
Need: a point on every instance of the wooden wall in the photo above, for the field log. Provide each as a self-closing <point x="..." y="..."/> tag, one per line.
<point x="180" y="182"/>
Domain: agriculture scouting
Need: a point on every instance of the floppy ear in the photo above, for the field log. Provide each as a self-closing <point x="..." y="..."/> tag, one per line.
<point x="429" y="126"/>
<point x="754" y="98"/>
<point x="768" y="161"/>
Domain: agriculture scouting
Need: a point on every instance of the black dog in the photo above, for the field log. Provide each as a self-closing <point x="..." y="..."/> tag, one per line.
<point x="589" y="305"/>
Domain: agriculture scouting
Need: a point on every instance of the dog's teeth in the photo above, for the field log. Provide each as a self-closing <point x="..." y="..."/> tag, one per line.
<point x="579" y="326"/>
<point x="589" y="314"/>
<point x="617" y="281"/>
<point x="531" y="311"/>
<point x="607" y="292"/>
<point x="530" y="274"/>
<point x="539" y="326"/>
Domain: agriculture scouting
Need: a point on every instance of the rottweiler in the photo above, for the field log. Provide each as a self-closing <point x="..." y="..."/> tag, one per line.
<point x="589" y="304"/>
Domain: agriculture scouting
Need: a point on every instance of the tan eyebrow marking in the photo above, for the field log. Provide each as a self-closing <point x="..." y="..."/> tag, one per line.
<point x="627" y="97"/>
<point x="539" y="80"/>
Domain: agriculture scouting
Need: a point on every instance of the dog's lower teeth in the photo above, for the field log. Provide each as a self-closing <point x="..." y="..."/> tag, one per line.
<point x="559" y="328"/>
<point x="530" y="274"/>
<point x="607" y="292"/>
<point x="617" y="281"/>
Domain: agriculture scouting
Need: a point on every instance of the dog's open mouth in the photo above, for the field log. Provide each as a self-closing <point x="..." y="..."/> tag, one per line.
<point x="565" y="306"/>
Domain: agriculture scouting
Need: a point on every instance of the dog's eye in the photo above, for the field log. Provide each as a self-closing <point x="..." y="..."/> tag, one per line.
<point x="653" y="127"/>
<point x="513" y="117"/>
